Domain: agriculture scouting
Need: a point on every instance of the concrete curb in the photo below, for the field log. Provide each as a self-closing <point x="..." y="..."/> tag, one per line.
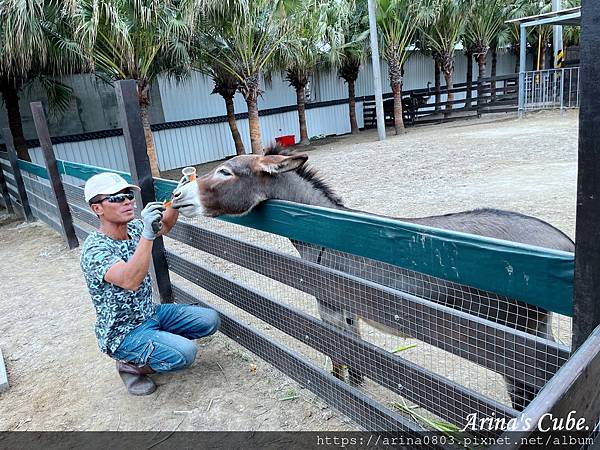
<point x="3" y="376"/>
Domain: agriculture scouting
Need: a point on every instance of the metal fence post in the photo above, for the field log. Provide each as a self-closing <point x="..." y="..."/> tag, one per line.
<point x="14" y="163"/>
<point x="562" y="89"/>
<point x="5" y="194"/>
<point x="64" y="213"/>
<point x="586" y="288"/>
<point x="139" y="165"/>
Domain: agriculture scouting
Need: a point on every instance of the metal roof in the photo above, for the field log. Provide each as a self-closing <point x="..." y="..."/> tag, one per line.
<point x="571" y="16"/>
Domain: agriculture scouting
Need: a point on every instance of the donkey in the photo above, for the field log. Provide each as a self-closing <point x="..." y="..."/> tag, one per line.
<point x="242" y="182"/>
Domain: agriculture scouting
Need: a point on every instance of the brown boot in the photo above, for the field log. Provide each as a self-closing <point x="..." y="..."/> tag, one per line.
<point x="135" y="378"/>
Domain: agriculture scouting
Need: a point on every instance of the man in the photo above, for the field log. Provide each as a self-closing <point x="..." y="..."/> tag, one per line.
<point x="142" y="336"/>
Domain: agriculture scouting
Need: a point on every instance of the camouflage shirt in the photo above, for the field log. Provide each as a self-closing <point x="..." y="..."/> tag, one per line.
<point x="118" y="310"/>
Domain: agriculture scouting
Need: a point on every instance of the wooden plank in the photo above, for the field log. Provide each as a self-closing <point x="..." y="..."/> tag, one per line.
<point x="35" y="169"/>
<point x="82" y="233"/>
<point x="141" y="174"/>
<point x="12" y="156"/>
<point x="64" y="214"/>
<point x="14" y="194"/>
<point x="3" y="376"/>
<point x="44" y="217"/>
<point x="511" y="76"/>
<point x="452" y="401"/>
<point x="41" y="202"/>
<point x="572" y="391"/>
<point x="587" y="232"/>
<point x="85" y="216"/>
<point x="506" y="350"/>
<point x="6" y="166"/>
<point x="367" y="413"/>
<point x="5" y="195"/>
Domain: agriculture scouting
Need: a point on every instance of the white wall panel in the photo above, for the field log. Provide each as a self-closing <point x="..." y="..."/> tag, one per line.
<point x="192" y="99"/>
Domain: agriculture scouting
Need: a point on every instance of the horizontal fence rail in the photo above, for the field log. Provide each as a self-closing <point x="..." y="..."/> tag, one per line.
<point x="491" y="95"/>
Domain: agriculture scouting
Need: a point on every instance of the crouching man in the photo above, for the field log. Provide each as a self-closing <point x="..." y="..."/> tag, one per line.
<point x="142" y="336"/>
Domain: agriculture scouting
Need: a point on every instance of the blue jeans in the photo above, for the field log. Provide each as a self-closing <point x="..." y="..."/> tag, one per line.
<point x="164" y="342"/>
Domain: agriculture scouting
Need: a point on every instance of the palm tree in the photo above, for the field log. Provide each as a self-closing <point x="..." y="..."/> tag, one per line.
<point x="226" y="86"/>
<point x="354" y="51"/>
<point x="485" y="22"/>
<point x="428" y="51"/>
<point x="397" y="22"/>
<point x="36" y="44"/>
<point x="443" y="36"/>
<point x="246" y="36"/>
<point x="315" y="39"/>
<point x="131" y="39"/>
<point x="516" y="10"/>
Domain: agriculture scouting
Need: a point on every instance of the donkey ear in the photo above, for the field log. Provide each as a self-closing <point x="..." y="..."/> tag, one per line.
<point x="279" y="163"/>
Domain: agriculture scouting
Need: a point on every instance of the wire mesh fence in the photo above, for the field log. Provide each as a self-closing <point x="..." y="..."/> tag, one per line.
<point x="425" y="358"/>
<point x="392" y="348"/>
<point x="552" y="88"/>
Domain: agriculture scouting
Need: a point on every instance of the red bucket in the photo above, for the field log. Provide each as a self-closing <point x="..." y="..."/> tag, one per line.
<point x="286" y="141"/>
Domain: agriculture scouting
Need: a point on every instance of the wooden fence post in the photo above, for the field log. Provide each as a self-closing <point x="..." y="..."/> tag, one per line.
<point x="139" y="165"/>
<point x="586" y="289"/>
<point x="14" y="163"/>
<point x="5" y="194"/>
<point x="64" y="213"/>
<point x="479" y="94"/>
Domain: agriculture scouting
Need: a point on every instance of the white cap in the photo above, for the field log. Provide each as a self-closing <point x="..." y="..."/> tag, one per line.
<point x="105" y="183"/>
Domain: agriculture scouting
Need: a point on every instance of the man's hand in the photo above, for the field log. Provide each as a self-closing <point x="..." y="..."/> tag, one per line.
<point x="152" y="216"/>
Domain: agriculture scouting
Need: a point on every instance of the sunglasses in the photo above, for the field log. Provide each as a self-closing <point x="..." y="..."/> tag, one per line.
<point x="118" y="198"/>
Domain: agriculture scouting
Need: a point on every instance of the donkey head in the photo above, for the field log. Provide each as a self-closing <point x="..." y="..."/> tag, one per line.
<point x="234" y="187"/>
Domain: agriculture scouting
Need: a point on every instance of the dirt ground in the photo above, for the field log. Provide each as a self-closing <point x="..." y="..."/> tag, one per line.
<point x="60" y="381"/>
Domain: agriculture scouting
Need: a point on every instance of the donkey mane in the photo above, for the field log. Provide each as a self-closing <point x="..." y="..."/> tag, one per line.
<point x="308" y="174"/>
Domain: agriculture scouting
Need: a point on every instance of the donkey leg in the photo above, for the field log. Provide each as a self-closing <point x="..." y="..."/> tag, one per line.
<point x="345" y="322"/>
<point x="522" y="392"/>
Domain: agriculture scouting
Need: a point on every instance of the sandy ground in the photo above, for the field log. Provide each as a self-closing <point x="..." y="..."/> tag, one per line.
<point x="60" y="381"/>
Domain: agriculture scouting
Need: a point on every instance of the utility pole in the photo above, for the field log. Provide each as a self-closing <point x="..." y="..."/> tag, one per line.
<point x="376" y="72"/>
<point x="557" y="38"/>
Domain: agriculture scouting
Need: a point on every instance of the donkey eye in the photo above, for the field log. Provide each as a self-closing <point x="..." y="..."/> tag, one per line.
<point x="224" y="172"/>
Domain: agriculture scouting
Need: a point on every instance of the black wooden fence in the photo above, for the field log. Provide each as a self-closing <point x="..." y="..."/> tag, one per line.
<point x="488" y="95"/>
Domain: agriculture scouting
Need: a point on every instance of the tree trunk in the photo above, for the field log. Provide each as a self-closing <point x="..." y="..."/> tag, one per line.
<point x="352" y="106"/>
<point x="237" y="139"/>
<point x="254" y="123"/>
<point x="151" y="149"/>
<point x="449" y="86"/>
<point x="398" y="122"/>
<point x="518" y="61"/>
<point x="438" y="84"/>
<point x="481" y="62"/>
<point x="11" y="101"/>
<point x="493" y="72"/>
<point x="301" y="102"/>
<point x="543" y="57"/>
<point x="469" y="78"/>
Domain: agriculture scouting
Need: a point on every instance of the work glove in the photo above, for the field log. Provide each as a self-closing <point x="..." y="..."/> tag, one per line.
<point x="152" y="216"/>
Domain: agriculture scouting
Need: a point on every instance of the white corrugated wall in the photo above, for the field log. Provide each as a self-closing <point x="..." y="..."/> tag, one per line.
<point x="192" y="99"/>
